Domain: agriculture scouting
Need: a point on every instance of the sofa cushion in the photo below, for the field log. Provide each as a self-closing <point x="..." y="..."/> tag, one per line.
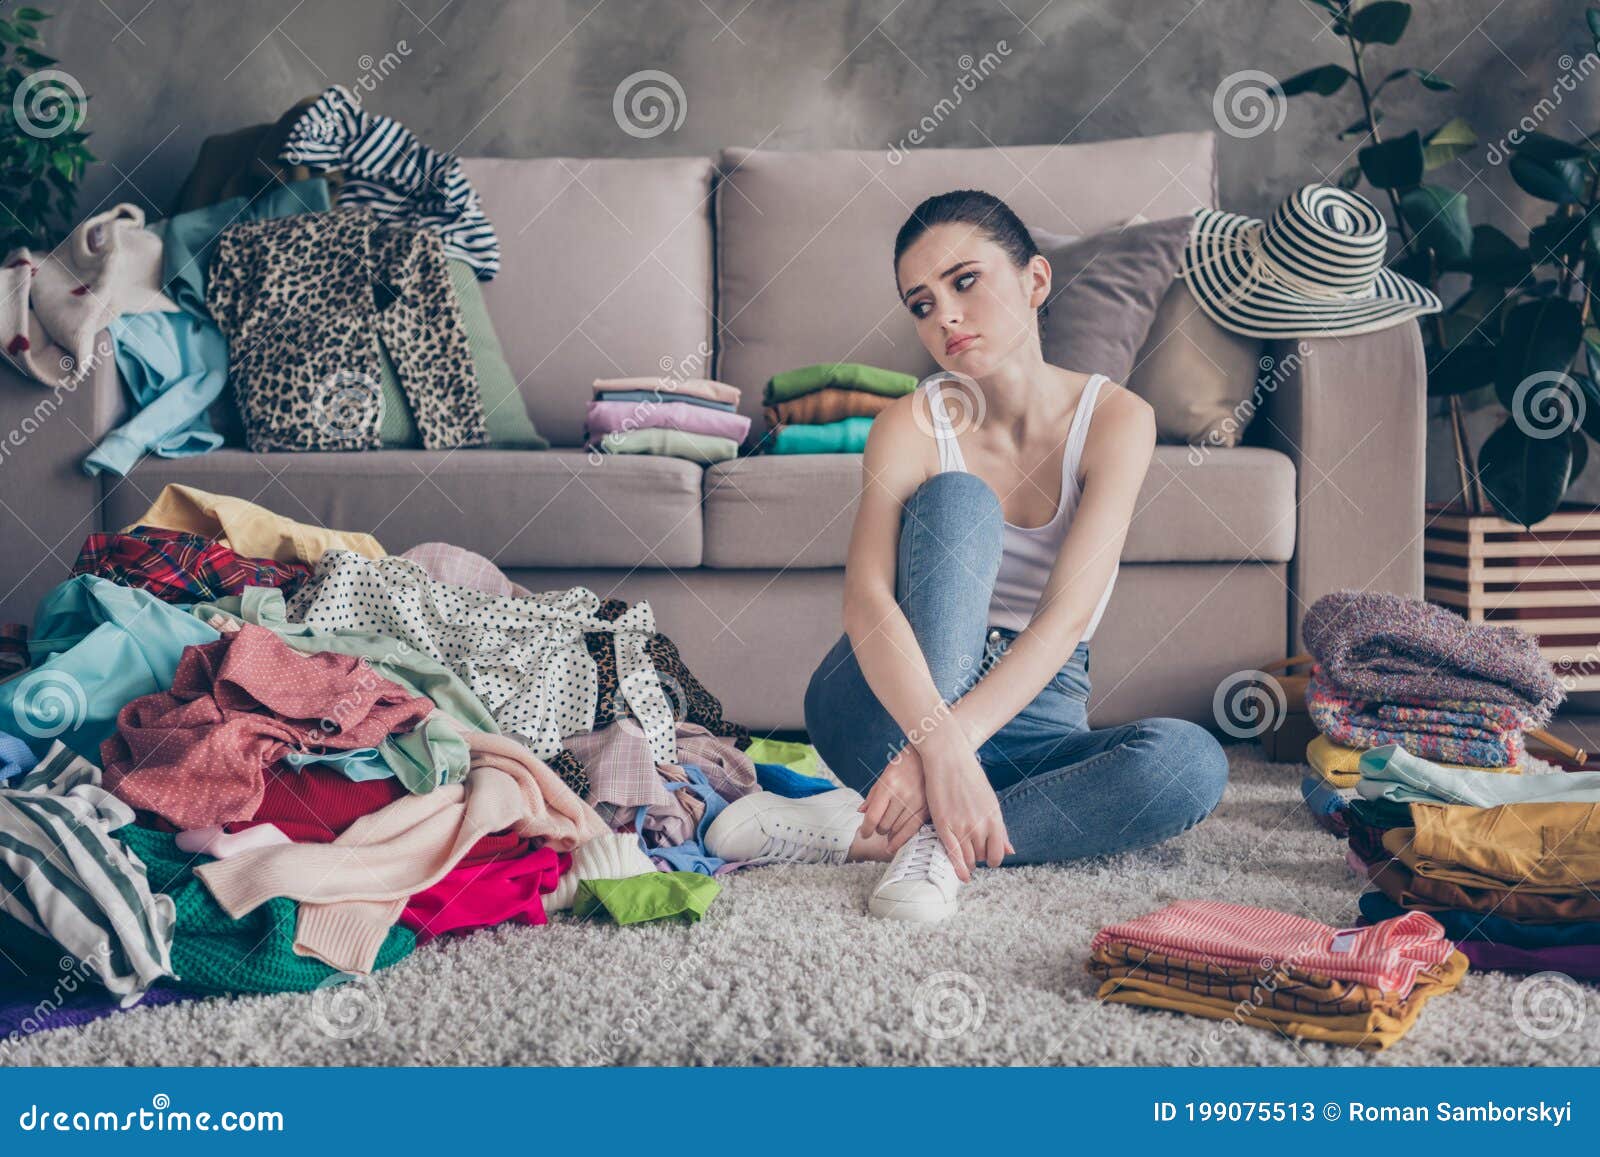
<point x="805" y="240"/>
<point x="520" y="508"/>
<point x="1218" y="505"/>
<point x="605" y="272"/>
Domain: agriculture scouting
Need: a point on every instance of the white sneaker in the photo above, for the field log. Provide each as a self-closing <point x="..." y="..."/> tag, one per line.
<point x="920" y="883"/>
<point x="767" y="828"/>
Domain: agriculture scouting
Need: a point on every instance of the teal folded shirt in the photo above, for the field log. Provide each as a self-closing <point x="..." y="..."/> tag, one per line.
<point x="846" y="436"/>
<point x="174" y="365"/>
<point x="1392" y="773"/>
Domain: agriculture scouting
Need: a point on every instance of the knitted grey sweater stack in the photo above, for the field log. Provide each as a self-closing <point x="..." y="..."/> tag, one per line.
<point x="1385" y="647"/>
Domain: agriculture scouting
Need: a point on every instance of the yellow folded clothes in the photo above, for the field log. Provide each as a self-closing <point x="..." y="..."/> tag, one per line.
<point x="1340" y="766"/>
<point x="1533" y="847"/>
<point x="248" y="529"/>
<point x="1376" y="1029"/>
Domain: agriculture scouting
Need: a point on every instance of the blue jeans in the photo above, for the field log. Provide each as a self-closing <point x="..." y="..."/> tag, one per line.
<point x="1065" y="790"/>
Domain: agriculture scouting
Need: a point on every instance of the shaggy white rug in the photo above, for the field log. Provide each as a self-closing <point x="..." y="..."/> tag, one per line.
<point x="787" y="968"/>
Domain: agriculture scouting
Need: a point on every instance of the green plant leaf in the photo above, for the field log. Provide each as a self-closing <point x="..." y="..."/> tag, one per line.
<point x="1544" y="147"/>
<point x="1360" y="128"/>
<point x="32" y="14"/>
<point x="1593" y="17"/>
<point x="1394" y="164"/>
<point x="1524" y="478"/>
<point x="1558" y="181"/>
<point x="1350" y="178"/>
<point x="1382" y="22"/>
<point x="1324" y="80"/>
<point x="1539" y="337"/>
<point x="1438" y="218"/>
<point x="1428" y="80"/>
<point x="8" y="33"/>
<point x="1557" y="239"/>
<point x="1590" y="424"/>
<point x="1447" y="142"/>
<point x="1496" y="259"/>
<point x="1580" y="453"/>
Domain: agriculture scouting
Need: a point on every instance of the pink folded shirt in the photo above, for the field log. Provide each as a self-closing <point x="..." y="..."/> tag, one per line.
<point x="1386" y="955"/>
<point x="693" y="387"/>
<point x="614" y="417"/>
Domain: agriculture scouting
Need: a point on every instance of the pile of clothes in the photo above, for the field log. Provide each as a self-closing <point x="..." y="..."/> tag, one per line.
<point x="336" y="292"/>
<point x="693" y="418"/>
<point x="1363" y="987"/>
<point x="828" y="408"/>
<point x="1509" y="865"/>
<point x="1393" y="670"/>
<point x="250" y="755"/>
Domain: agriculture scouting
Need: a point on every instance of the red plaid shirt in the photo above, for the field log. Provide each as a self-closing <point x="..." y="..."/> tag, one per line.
<point x="178" y="567"/>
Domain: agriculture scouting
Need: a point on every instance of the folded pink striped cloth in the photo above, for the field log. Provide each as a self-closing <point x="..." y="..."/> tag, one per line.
<point x="603" y="418"/>
<point x="1386" y="955"/>
<point x="692" y="387"/>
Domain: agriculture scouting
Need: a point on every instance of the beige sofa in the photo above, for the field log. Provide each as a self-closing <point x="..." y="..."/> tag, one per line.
<point x="743" y="265"/>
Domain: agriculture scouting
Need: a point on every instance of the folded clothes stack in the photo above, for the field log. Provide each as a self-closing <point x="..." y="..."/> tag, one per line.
<point x="828" y="408"/>
<point x="1509" y="865"/>
<point x="694" y="418"/>
<point x="1392" y="670"/>
<point x="1363" y="987"/>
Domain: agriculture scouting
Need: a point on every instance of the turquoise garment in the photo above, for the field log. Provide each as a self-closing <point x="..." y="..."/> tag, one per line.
<point x="1391" y="772"/>
<point x="189" y="239"/>
<point x="175" y="366"/>
<point x="846" y="436"/>
<point x="429" y="756"/>
<point x="358" y="765"/>
<point x="95" y="646"/>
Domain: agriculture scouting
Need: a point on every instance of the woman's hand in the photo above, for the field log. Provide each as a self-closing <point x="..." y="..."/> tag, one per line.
<point x="964" y="809"/>
<point x="897" y="804"/>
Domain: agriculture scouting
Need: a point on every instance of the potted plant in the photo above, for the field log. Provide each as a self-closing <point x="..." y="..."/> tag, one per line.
<point x="1522" y="334"/>
<point x="42" y="150"/>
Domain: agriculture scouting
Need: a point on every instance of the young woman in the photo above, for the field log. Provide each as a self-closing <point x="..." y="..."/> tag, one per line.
<point x="994" y="504"/>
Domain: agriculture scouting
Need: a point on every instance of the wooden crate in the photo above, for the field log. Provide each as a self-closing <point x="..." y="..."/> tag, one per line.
<point x="1545" y="581"/>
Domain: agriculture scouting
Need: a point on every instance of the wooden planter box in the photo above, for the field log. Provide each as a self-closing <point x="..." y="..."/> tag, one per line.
<point x="1545" y="581"/>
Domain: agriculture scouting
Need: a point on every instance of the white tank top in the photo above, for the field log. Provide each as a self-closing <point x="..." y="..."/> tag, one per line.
<point x="1028" y="553"/>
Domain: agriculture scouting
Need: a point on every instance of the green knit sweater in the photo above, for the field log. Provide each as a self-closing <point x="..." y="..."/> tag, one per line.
<point x="214" y="953"/>
<point x="842" y="375"/>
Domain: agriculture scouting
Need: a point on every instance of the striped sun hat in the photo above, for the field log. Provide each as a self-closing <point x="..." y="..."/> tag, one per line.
<point x="1314" y="269"/>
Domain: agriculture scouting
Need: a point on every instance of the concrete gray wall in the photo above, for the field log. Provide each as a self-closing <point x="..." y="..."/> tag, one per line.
<point x="538" y="78"/>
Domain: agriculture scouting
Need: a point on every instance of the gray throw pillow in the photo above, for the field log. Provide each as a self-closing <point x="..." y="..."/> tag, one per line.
<point x="1105" y="290"/>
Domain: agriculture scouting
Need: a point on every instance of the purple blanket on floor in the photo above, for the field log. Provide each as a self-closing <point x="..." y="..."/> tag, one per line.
<point x="24" y="1011"/>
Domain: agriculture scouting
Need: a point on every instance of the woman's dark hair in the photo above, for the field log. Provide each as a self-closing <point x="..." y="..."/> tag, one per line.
<point x="971" y="207"/>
